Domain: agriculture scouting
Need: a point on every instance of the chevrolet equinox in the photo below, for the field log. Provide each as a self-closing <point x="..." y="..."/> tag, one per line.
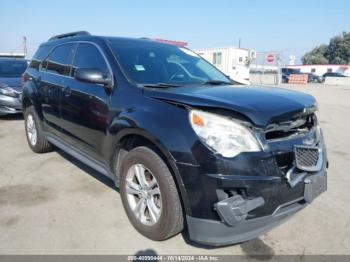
<point x="185" y="145"/>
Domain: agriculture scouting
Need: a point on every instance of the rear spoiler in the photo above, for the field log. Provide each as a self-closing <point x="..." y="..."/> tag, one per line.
<point x="72" y="34"/>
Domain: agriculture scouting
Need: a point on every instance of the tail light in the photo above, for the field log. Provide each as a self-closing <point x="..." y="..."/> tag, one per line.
<point x="24" y="78"/>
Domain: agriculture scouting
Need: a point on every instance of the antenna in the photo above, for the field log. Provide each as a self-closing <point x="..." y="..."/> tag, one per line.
<point x="25" y="46"/>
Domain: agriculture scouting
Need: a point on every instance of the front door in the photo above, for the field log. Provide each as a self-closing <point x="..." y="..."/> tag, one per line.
<point x="84" y="106"/>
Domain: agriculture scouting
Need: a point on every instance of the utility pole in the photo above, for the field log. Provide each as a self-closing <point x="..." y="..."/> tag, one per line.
<point x="239" y="43"/>
<point x="25" y="46"/>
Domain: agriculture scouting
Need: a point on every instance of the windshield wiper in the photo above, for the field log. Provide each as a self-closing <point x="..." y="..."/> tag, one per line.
<point x="160" y="85"/>
<point x="216" y="82"/>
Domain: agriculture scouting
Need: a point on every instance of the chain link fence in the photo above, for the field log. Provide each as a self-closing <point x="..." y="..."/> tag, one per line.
<point x="265" y="68"/>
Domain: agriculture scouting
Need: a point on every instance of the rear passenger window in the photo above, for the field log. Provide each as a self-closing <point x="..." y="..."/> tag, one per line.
<point x="39" y="56"/>
<point x="88" y="56"/>
<point x="60" y="60"/>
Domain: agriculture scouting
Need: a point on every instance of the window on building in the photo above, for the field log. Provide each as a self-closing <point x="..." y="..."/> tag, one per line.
<point x="329" y="70"/>
<point x="240" y="59"/>
<point x="313" y="70"/>
<point x="217" y="58"/>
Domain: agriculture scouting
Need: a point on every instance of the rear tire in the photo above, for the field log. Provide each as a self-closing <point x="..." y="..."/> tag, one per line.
<point x="160" y="216"/>
<point x="35" y="138"/>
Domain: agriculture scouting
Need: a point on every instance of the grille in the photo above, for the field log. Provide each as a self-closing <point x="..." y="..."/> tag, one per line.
<point x="289" y="128"/>
<point x="307" y="158"/>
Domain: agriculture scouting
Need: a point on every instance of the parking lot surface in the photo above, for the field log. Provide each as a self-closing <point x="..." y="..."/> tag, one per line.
<point x="52" y="204"/>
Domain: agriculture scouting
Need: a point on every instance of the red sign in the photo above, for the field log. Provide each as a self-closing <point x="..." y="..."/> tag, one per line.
<point x="270" y="58"/>
<point x="172" y="42"/>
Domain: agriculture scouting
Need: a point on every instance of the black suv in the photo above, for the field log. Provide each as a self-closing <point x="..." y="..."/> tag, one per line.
<point x="184" y="144"/>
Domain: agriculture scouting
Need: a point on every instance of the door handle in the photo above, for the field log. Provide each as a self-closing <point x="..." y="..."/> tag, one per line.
<point x="67" y="91"/>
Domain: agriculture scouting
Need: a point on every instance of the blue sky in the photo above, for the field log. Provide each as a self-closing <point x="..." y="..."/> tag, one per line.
<point x="264" y="25"/>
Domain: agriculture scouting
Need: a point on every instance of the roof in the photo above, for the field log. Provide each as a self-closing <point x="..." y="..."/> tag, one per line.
<point x="221" y="48"/>
<point x="12" y="59"/>
<point x="340" y="65"/>
<point x="12" y="55"/>
<point x="172" y="42"/>
<point x="85" y="36"/>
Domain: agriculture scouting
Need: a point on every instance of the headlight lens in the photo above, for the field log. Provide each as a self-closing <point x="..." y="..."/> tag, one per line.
<point x="7" y="91"/>
<point x="318" y="133"/>
<point x="223" y="135"/>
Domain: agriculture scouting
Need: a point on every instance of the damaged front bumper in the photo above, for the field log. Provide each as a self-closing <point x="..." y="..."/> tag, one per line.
<point x="234" y="226"/>
<point x="260" y="195"/>
<point x="216" y="233"/>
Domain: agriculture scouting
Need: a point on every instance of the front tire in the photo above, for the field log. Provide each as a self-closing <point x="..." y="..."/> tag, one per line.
<point x="149" y="195"/>
<point x="35" y="138"/>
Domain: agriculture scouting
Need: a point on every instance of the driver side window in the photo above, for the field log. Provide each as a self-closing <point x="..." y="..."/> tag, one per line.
<point x="88" y="56"/>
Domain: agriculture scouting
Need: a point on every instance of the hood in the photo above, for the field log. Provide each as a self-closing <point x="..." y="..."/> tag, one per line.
<point x="13" y="82"/>
<point x="241" y="81"/>
<point x="262" y="105"/>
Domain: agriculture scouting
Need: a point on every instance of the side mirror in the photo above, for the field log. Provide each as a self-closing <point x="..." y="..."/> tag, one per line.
<point x="92" y="75"/>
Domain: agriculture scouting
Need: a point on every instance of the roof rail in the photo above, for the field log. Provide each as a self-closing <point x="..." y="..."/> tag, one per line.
<point x="72" y="34"/>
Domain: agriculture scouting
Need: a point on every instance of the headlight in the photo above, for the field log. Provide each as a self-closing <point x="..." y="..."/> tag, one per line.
<point x="7" y="91"/>
<point x="318" y="134"/>
<point x="223" y="135"/>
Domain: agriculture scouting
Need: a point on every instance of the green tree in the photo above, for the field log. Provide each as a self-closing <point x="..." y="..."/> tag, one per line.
<point x="316" y="56"/>
<point x="336" y="52"/>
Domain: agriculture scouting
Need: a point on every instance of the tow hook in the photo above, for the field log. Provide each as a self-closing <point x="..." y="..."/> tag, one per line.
<point x="293" y="178"/>
<point x="307" y="181"/>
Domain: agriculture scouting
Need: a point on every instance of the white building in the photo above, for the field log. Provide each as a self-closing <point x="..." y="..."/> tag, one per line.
<point x="232" y="61"/>
<point x="322" y="69"/>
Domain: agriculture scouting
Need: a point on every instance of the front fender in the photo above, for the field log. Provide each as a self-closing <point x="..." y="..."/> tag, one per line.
<point x="166" y="127"/>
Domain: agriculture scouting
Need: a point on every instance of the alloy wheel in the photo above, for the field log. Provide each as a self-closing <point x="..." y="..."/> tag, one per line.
<point x="143" y="194"/>
<point x="31" y="130"/>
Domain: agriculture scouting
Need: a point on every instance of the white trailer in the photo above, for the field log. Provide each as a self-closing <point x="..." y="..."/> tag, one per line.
<point x="232" y="61"/>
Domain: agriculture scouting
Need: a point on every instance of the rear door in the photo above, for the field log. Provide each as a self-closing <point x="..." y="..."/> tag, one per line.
<point x="84" y="105"/>
<point x="55" y="71"/>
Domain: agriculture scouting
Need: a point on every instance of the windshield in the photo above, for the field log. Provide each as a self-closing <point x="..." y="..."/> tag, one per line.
<point x="154" y="63"/>
<point x="12" y="68"/>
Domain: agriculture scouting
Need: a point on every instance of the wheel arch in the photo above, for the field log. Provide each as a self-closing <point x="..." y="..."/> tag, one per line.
<point x="30" y="98"/>
<point x="130" y="138"/>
